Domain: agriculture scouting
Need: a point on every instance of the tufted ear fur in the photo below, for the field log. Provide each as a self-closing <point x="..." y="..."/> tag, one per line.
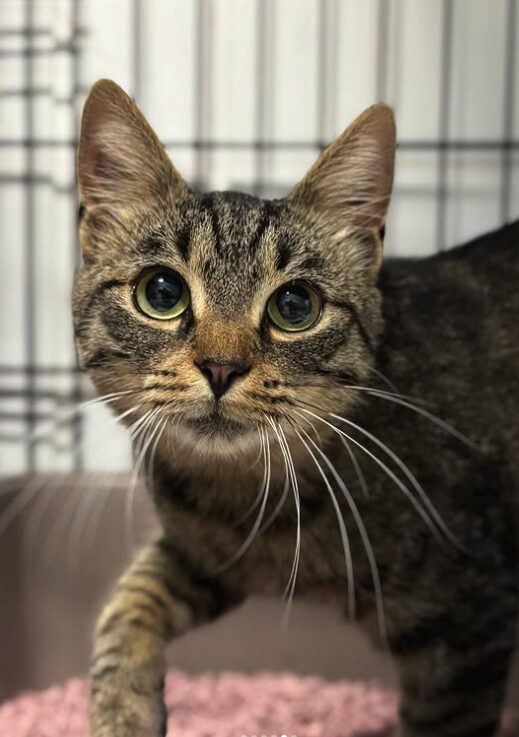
<point x="347" y="190"/>
<point x="121" y="162"/>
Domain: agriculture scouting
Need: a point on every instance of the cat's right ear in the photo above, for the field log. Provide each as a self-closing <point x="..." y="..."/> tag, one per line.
<point x="347" y="190"/>
<point x="121" y="162"/>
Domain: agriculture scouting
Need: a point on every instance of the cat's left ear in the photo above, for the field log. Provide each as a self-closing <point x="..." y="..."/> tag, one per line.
<point x="347" y="190"/>
<point x="121" y="162"/>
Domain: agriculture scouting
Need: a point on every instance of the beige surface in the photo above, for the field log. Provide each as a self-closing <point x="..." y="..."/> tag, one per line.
<point x="55" y="570"/>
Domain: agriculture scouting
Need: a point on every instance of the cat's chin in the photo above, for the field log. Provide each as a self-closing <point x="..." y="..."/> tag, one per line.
<point x="216" y="426"/>
<point x="215" y="435"/>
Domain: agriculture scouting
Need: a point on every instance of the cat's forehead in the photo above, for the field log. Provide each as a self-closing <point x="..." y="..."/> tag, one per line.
<point x="242" y="227"/>
<point x="233" y="242"/>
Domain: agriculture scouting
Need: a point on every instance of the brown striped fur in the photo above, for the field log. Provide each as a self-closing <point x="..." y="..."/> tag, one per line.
<point x="443" y="330"/>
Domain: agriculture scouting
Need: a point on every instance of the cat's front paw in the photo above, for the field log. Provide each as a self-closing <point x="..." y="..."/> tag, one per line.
<point x="123" y="728"/>
<point x="127" y="714"/>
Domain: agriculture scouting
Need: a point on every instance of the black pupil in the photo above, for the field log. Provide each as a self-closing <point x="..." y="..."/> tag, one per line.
<point x="163" y="291"/>
<point x="294" y="304"/>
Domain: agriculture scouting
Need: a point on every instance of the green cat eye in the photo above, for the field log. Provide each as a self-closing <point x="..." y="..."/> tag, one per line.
<point x="294" y="307"/>
<point x="161" y="294"/>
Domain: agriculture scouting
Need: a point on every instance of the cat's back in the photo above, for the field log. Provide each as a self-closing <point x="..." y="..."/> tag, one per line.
<point x="476" y="271"/>
<point x="492" y="260"/>
<point x="466" y="298"/>
<point x="452" y="333"/>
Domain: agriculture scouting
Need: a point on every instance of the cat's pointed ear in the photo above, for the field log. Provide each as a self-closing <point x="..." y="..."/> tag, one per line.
<point x="349" y="186"/>
<point x="121" y="162"/>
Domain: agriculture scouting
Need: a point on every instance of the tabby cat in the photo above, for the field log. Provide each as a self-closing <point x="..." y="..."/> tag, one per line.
<point x="311" y="420"/>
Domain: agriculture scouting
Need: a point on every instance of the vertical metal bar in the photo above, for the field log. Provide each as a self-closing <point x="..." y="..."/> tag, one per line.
<point x="322" y="73"/>
<point x="382" y="49"/>
<point x="203" y="48"/>
<point x="334" y="68"/>
<point x="326" y="93"/>
<point x="445" y="92"/>
<point x="29" y="255"/>
<point x="260" y="73"/>
<point x="136" y="50"/>
<point x="77" y="393"/>
<point x="508" y="110"/>
<point x="382" y="57"/>
<point x="397" y="26"/>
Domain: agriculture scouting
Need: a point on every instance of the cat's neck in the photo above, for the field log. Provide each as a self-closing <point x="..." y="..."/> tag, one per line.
<point x="231" y="483"/>
<point x="243" y="463"/>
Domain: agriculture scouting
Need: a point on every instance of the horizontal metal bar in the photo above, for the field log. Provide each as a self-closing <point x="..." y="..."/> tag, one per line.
<point x="270" y="188"/>
<point x="11" y="439"/>
<point x="57" y="396"/>
<point x="42" y="92"/>
<point x="25" y="53"/>
<point x="34" y="179"/>
<point x="44" y="31"/>
<point x="57" y="447"/>
<point x="43" y="370"/>
<point x="32" y="417"/>
<point x="409" y="145"/>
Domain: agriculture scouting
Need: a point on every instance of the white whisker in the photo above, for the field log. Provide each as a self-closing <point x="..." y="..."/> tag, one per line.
<point x="259" y="495"/>
<point x="281" y="503"/>
<point x="291" y="585"/>
<point x="356" y="465"/>
<point x="20" y="502"/>
<point x="314" y="429"/>
<point x="143" y="442"/>
<point x="39" y="506"/>
<point x="342" y="527"/>
<point x="408" y="474"/>
<point x="67" y="414"/>
<point x="151" y="462"/>
<point x="377" y="587"/>
<point x="97" y="509"/>
<point x="398" y="399"/>
<point x="257" y="523"/>
<point x="88" y="498"/>
<point x="81" y="511"/>
<point x="260" y="449"/>
<point x="369" y="389"/>
<point x="56" y="533"/>
<point x="384" y="378"/>
<point x="398" y="482"/>
<point x="409" y="402"/>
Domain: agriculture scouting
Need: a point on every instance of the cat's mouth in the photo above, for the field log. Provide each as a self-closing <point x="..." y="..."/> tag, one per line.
<point x="215" y="424"/>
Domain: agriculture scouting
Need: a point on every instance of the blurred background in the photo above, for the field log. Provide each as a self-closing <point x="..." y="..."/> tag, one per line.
<point x="244" y="94"/>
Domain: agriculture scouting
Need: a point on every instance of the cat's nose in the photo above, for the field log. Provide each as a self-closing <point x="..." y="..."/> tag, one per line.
<point x="221" y="375"/>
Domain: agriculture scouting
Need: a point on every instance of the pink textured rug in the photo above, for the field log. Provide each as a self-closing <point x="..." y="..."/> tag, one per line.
<point x="228" y="705"/>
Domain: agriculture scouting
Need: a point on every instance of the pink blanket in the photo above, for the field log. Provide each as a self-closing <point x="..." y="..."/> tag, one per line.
<point x="228" y="705"/>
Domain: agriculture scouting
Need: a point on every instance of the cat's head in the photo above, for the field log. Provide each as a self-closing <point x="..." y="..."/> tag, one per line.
<point x="211" y="313"/>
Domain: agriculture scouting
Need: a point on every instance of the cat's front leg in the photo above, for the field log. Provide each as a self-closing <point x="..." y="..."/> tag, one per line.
<point x="162" y="595"/>
<point x="454" y="685"/>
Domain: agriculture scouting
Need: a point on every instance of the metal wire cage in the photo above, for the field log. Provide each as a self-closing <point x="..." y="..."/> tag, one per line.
<point x="244" y="95"/>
